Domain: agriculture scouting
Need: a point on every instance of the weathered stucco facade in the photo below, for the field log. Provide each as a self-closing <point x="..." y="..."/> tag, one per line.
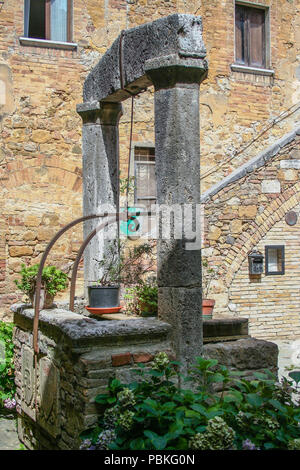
<point x="241" y="114"/>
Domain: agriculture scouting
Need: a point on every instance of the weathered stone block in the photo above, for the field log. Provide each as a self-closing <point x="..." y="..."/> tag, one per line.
<point x="20" y="251"/>
<point x="244" y="354"/>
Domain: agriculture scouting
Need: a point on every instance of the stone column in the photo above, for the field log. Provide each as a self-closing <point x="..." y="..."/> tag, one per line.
<point x="100" y="153"/>
<point x="177" y="154"/>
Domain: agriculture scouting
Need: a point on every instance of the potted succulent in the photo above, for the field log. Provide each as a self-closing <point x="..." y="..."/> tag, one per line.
<point x="207" y="304"/>
<point x="53" y="281"/>
<point x="120" y="265"/>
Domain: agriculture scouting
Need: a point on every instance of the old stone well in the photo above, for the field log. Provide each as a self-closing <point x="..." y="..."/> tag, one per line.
<point x="78" y="354"/>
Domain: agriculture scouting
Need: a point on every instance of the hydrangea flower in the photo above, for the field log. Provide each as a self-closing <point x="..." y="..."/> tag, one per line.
<point x="160" y="361"/>
<point x="105" y="438"/>
<point x="110" y="417"/>
<point x="85" y="445"/>
<point x="248" y="445"/>
<point x="125" y="420"/>
<point x="10" y="404"/>
<point x="126" y="398"/>
<point x="217" y="436"/>
<point x="294" y="444"/>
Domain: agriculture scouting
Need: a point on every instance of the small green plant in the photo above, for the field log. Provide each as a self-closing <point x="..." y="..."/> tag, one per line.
<point x="124" y="183"/>
<point x="7" y="368"/>
<point x="142" y="298"/>
<point x="208" y="275"/>
<point x="154" y="413"/>
<point x="53" y="279"/>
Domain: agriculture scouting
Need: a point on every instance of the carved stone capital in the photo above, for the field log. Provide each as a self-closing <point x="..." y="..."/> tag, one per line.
<point x="103" y="113"/>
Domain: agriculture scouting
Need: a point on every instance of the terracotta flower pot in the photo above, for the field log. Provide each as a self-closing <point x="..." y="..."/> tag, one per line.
<point x="207" y="308"/>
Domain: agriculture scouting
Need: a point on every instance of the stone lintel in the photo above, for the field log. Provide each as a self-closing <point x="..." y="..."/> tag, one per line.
<point x="104" y="113"/>
<point x="121" y="71"/>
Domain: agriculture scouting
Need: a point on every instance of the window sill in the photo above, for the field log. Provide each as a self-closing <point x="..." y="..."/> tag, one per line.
<point x="252" y="70"/>
<point x="70" y="46"/>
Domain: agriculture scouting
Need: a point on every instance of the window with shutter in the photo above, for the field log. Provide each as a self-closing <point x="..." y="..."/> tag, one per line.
<point x="250" y="36"/>
<point x="145" y="184"/>
<point x="48" y="19"/>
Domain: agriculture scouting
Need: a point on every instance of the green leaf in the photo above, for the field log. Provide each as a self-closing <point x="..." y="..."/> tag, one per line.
<point x="158" y="442"/>
<point x="111" y="400"/>
<point x="295" y="375"/>
<point x="233" y="396"/>
<point x="260" y="375"/>
<point x="254" y="399"/>
<point x="278" y="405"/>
<point x="200" y="409"/>
<point x="269" y="445"/>
<point x="99" y="399"/>
<point x="192" y="414"/>
<point x="137" y="444"/>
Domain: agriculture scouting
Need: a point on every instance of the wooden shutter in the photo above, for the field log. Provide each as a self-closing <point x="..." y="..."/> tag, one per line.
<point x="240" y="34"/>
<point x="256" y="21"/>
<point x="250" y="44"/>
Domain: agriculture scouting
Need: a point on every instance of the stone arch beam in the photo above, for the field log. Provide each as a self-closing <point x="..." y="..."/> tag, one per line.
<point x="274" y="212"/>
<point x="170" y="54"/>
<point x="176" y="36"/>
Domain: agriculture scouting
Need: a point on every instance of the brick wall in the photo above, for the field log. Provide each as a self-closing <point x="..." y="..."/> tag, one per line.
<point x="40" y="154"/>
<point x="250" y="213"/>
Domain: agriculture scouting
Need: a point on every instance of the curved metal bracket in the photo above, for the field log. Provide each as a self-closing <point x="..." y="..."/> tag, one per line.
<point x="116" y="216"/>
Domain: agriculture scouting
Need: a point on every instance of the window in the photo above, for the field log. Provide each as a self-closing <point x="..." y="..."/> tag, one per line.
<point x="48" y="19"/>
<point x="144" y="169"/>
<point x="250" y="36"/>
<point x="274" y="259"/>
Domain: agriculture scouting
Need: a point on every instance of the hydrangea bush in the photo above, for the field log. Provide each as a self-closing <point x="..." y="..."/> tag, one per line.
<point x="154" y="413"/>
<point x="7" y="368"/>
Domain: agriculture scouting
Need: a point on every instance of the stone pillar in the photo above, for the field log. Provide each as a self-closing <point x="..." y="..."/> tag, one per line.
<point x="177" y="154"/>
<point x="100" y="153"/>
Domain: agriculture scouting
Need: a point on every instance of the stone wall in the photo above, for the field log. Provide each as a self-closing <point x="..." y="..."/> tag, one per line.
<point x="250" y="213"/>
<point x="40" y="155"/>
<point x="78" y="355"/>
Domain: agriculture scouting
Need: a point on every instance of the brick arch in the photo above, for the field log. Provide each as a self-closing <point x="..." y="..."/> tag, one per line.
<point x="19" y="175"/>
<point x="263" y="222"/>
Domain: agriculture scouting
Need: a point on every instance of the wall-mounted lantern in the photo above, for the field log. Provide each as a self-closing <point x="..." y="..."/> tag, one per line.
<point x="256" y="262"/>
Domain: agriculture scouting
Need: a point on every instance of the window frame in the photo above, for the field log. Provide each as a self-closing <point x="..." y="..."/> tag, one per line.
<point x="47" y="41"/>
<point x="237" y="66"/>
<point x="137" y="200"/>
<point x="274" y="273"/>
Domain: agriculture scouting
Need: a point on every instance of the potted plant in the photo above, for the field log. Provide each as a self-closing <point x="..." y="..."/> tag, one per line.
<point x="207" y="304"/>
<point x="53" y="280"/>
<point x="142" y="298"/>
<point x="120" y="265"/>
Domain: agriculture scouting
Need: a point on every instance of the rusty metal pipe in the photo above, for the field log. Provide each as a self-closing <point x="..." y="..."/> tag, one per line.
<point x="74" y="273"/>
<point x="40" y="272"/>
<point x="79" y="256"/>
